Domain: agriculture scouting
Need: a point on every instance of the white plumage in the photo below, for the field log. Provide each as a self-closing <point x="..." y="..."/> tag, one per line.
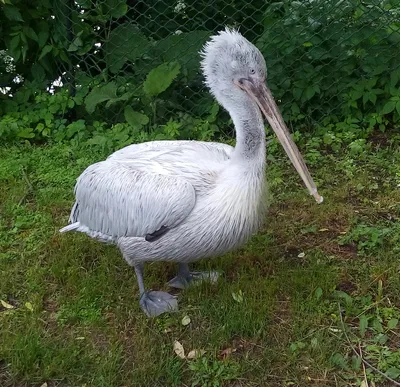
<point x="185" y="200"/>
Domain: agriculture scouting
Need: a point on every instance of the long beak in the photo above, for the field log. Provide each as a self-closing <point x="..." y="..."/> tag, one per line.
<point x="262" y="95"/>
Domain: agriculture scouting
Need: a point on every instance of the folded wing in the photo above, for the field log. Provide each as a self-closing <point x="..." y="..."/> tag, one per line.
<point x="116" y="200"/>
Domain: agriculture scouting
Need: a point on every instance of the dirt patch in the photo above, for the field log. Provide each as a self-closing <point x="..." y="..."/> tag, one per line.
<point x="346" y="286"/>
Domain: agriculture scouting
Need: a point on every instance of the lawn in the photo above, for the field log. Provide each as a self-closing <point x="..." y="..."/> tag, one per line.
<point x="314" y="293"/>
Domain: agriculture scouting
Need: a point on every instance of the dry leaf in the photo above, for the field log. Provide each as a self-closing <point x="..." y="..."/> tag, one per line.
<point x="44" y="384"/>
<point x="226" y="352"/>
<point x="29" y="306"/>
<point x="185" y="321"/>
<point x="195" y="353"/>
<point x="6" y="305"/>
<point x="301" y="255"/>
<point x="178" y="349"/>
<point x="323" y="229"/>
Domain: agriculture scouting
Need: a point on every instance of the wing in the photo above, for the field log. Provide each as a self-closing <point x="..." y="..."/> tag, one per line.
<point x="197" y="162"/>
<point x="115" y="199"/>
<point x="212" y="151"/>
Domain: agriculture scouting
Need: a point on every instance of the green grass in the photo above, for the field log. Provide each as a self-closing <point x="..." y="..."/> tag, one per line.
<point x="274" y="319"/>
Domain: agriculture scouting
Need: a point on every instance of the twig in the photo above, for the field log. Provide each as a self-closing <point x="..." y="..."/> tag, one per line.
<point x="28" y="183"/>
<point x="363" y="365"/>
<point x="368" y="364"/>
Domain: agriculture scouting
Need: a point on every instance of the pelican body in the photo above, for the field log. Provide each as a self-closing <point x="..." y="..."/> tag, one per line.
<point x="181" y="201"/>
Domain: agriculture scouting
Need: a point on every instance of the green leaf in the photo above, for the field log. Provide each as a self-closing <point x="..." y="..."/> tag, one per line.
<point x="297" y="93"/>
<point x="310" y="92"/>
<point x="356" y="362"/>
<point x="357" y="94"/>
<point x="376" y="324"/>
<point x="394" y="78"/>
<point x="389" y="107"/>
<point x="183" y="48"/>
<point x="363" y="324"/>
<point x="75" y="45"/>
<point x="392" y="323"/>
<point x="14" y="43"/>
<point x="117" y="8"/>
<point x="45" y="51"/>
<point x="338" y="359"/>
<point x="26" y="133"/>
<point x="393" y="372"/>
<point x="12" y="13"/>
<point x="135" y="119"/>
<point x="160" y="78"/>
<point x="24" y="50"/>
<point x="30" y="33"/>
<point x="328" y="138"/>
<point x="398" y="107"/>
<point x="42" y="38"/>
<point x="126" y="43"/>
<point x="372" y="97"/>
<point x="100" y="94"/>
<point x="318" y="293"/>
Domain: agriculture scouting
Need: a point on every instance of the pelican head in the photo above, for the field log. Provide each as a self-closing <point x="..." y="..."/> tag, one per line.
<point x="229" y="58"/>
<point x="235" y="72"/>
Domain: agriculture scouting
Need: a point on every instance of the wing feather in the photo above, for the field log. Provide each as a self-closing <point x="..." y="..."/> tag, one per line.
<point x="117" y="200"/>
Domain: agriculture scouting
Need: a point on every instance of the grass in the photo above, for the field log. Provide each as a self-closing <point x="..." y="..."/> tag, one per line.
<point x="70" y="314"/>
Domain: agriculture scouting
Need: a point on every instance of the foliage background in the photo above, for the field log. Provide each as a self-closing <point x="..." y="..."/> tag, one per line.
<point x="122" y="71"/>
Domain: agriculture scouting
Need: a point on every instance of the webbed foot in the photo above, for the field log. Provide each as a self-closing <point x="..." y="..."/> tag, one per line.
<point x="193" y="277"/>
<point x="155" y="303"/>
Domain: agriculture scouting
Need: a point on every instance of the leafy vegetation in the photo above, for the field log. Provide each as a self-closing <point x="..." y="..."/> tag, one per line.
<point x="333" y="66"/>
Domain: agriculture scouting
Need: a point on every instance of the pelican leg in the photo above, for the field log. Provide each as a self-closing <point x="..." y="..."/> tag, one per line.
<point x="152" y="302"/>
<point x="186" y="277"/>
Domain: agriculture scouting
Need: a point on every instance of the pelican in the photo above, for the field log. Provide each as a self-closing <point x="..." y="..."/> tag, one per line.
<point x="180" y="201"/>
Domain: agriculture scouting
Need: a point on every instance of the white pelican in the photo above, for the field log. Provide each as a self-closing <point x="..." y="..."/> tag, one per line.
<point x="180" y="201"/>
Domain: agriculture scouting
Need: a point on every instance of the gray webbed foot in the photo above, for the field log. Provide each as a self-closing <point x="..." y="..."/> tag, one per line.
<point x="187" y="278"/>
<point x="155" y="303"/>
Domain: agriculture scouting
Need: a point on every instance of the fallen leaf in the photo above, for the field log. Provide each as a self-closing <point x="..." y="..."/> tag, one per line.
<point x="178" y="349"/>
<point x="167" y="330"/>
<point x="301" y="255"/>
<point x="194" y="353"/>
<point x="29" y="306"/>
<point x="80" y="338"/>
<point x="226" y="352"/>
<point x="6" y="305"/>
<point x="44" y="384"/>
<point x="185" y="321"/>
<point x="238" y="297"/>
<point x="323" y="229"/>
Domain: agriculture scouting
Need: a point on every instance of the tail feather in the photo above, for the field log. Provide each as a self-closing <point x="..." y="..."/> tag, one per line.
<point x="70" y="227"/>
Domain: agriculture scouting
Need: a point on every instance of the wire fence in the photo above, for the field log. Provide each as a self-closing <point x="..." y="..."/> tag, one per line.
<point x="329" y="61"/>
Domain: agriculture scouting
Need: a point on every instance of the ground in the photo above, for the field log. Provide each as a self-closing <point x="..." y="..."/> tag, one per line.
<point x="317" y="289"/>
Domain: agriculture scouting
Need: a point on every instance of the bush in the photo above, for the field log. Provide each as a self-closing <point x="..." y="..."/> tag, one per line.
<point x="130" y="73"/>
